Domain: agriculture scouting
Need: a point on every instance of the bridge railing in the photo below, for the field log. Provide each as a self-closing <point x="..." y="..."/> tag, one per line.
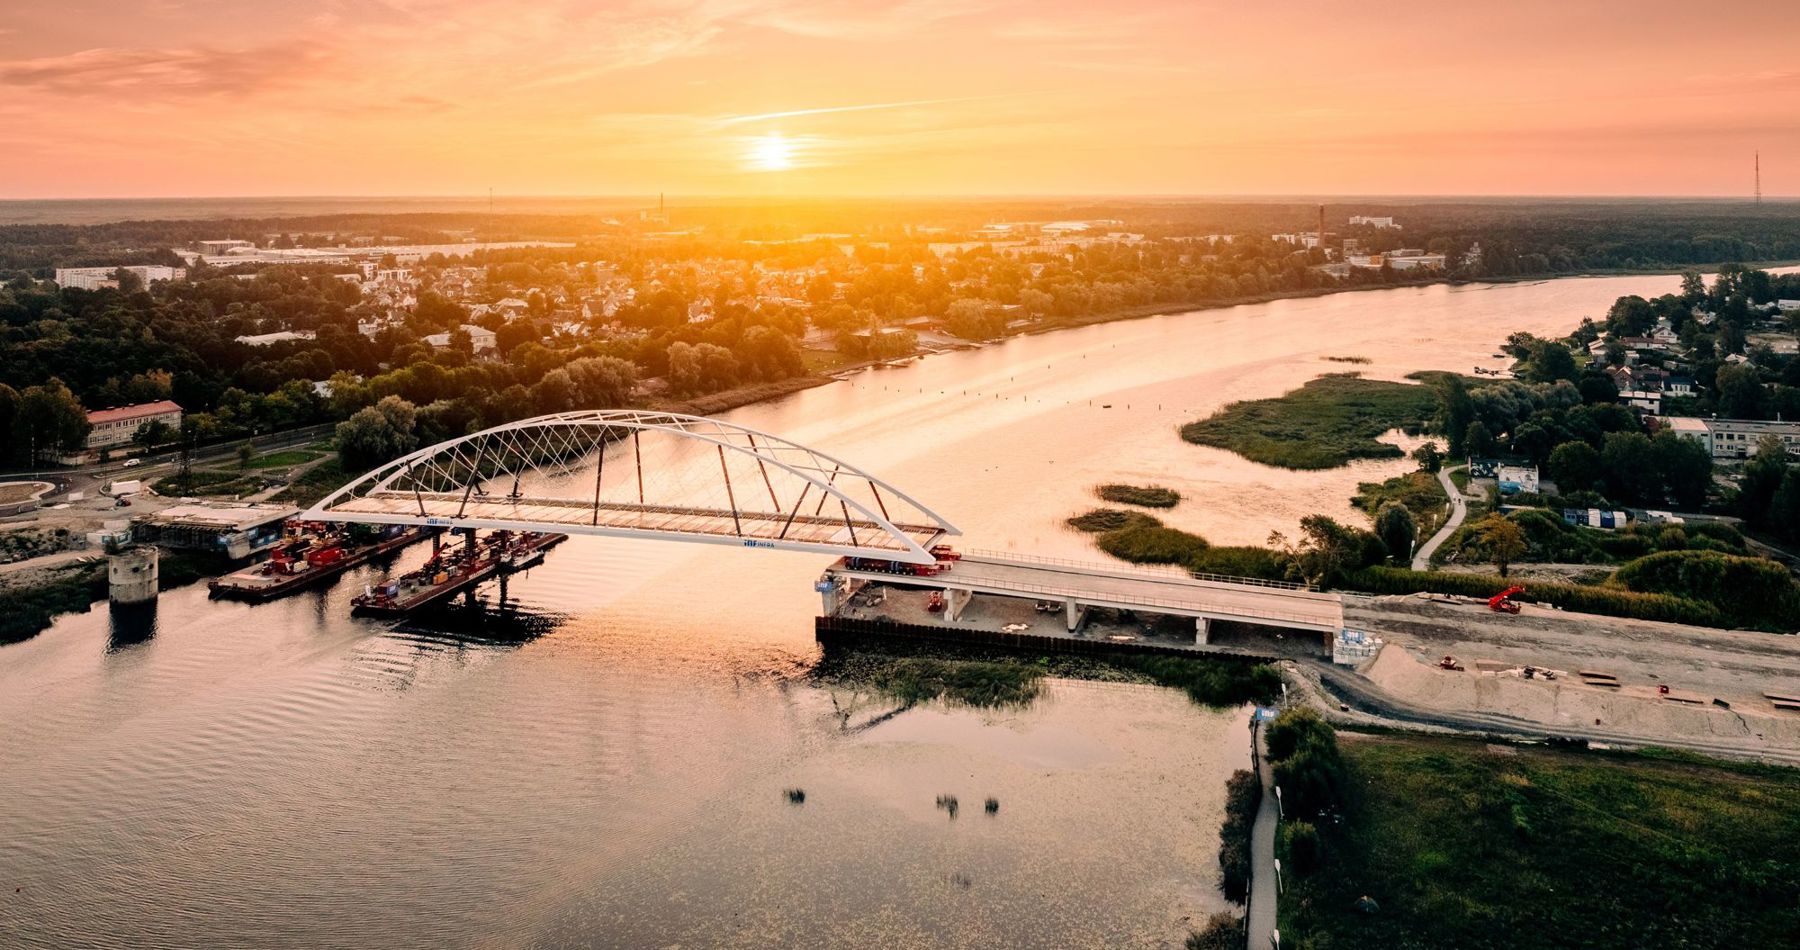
<point x="1142" y="569"/>
<point x="1099" y="598"/>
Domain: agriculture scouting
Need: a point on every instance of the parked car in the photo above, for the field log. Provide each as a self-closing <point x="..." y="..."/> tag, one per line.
<point x="133" y="463"/>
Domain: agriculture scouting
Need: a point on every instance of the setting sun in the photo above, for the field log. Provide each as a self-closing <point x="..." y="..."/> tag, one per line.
<point x="771" y="153"/>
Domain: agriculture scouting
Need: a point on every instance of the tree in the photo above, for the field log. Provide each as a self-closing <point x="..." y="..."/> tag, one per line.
<point x="1784" y="508"/>
<point x="245" y="452"/>
<point x="1326" y="549"/>
<point x="1550" y="361"/>
<point x="378" y="434"/>
<point x="1478" y="440"/>
<point x="1740" y="392"/>
<point x="1502" y="539"/>
<point x="1628" y="462"/>
<point x="152" y="434"/>
<point x="1574" y="466"/>
<point x="1428" y="457"/>
<point x="1455" y="411"/>
<point x="1685" y="466"/>
<point x="1395" y="526"/>
<point x="1762" y="478"/>
<point x="51" y="419"/>
<point x="972" y="320"/>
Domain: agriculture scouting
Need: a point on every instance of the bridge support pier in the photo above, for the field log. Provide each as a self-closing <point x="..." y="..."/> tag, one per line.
<point x="954" y="602"/>
<point x="1074" y="614"/>
<point x="1202" y="630"/>
<point x="831" y="593"/>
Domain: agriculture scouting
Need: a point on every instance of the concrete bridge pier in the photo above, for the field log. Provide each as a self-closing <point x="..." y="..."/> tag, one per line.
<point x="831" y="593"/>
<point x="1075" y="614"/>
<point x="954" y="601"/>
<point x="1202" y="630"/>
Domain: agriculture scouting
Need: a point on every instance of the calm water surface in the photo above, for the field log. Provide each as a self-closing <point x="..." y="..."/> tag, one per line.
<point x="613" y="774"/>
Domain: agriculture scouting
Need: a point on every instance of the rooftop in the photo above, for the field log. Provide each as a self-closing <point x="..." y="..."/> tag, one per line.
<point x="139" y="411"/>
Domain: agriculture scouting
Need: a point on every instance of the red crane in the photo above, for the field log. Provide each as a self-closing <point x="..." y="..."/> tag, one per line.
<point x="1503" y="602"/>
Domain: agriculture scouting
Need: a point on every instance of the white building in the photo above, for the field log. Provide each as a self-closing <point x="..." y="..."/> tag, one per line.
<point x="98" y="278"/>
<point x="1786" y="305"/>
<point x="481" y="339"/>
<point x="1650" y="402"/>
<point x="115" y="427"/>
<point x="279" y="336"/>
<point x="1733" y="438"/>
<point x="1517" y="478"/>
<point x="1385" y="222"/>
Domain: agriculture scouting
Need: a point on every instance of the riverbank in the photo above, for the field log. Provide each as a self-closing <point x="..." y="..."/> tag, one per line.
<point x="1462" y="843"/>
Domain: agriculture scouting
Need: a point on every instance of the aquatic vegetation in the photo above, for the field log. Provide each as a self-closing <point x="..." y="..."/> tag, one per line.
<point x="1148" y="496"/>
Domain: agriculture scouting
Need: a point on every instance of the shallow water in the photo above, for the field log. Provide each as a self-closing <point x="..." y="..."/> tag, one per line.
<point x="614" y="774"/>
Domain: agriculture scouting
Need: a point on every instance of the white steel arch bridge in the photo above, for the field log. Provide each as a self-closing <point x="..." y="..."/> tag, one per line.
<point x="632" y="473"/>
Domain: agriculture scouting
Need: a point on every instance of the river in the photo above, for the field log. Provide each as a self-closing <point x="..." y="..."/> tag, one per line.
<point x="284" y="775"/>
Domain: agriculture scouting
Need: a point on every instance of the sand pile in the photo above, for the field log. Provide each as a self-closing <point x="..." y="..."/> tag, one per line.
<point x="1633" y="710"/>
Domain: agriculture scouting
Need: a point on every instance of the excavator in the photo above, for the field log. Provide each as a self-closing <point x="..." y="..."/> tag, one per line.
<point x="1503" y="602"/>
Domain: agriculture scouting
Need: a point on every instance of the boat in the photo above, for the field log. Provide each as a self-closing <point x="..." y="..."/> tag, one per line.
<point x="310" y="553"/>
<point x="455" y="568"/>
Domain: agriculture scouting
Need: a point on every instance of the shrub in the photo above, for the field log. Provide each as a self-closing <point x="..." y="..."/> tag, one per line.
<point x="1610" y="601"/>
<point x="1152" y="544"/>
<point x="1222" y="932"/>
<point x="1300" y="847"/>
<point x="1751" y="591"/>
<point x="1210" y="681"/>
<point x="1241" y="562"/>
<point x="1149" y="496"/>
<point x="1109" y="519"/>
<point x="1243" y="795"/>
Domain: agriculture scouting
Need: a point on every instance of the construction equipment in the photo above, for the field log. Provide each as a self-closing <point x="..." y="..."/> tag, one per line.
<point x="1449" y="663"/>
<point x="1503" y="602"/>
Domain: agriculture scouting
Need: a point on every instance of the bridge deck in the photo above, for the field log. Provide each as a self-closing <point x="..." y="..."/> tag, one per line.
<point x="1129" y="588"/>
<point x="574" y="515"/>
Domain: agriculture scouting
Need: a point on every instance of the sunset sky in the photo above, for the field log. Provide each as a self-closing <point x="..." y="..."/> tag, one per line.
<point x="952" y="97"/>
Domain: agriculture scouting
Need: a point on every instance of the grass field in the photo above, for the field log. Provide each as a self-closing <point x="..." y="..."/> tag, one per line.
<point x="1470" y="846"/>
<point x="202" y="481"/>
<point x="1326" y="423"/>
<point x="284" y="459"/>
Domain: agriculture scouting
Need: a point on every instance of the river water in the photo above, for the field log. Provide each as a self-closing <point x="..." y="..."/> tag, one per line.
<point x="284" y="775"/>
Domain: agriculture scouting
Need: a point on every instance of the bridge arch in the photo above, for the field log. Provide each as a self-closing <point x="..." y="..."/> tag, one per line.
<point x="704" y="480"/>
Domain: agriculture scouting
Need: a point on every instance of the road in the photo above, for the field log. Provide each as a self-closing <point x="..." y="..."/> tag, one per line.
<point x="1260" y="917"/>
<point x="1127" y="588"/>
<point x="1459" y="509"/>
<point x="91" y="477"/>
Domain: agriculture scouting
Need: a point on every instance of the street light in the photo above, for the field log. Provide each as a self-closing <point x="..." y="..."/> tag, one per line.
<point x="1280" y="812"/>
<point x="1278" y="888"/>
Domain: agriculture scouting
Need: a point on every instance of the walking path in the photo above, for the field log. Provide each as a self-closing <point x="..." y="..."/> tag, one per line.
<point x="1259" y="917"/>
<point x="1459" y="510"/>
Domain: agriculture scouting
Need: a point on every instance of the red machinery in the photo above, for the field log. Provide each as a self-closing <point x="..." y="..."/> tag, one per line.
<point x="1503" y="602"/>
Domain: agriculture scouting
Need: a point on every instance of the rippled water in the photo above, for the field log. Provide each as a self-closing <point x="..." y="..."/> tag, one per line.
<point x="610" y="770"/>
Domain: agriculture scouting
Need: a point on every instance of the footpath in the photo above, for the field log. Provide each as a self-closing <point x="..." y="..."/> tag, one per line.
<point x="1459" y="509"/>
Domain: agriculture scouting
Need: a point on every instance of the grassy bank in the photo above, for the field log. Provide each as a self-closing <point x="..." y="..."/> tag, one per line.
<point x="1460" y="845"/>
<point x="1610" y="601"/>
<point x="1326" y="423"/>
<point x="973" y="676"/>
<point x="1418" y="492"/>
<point x="33" y="605"/>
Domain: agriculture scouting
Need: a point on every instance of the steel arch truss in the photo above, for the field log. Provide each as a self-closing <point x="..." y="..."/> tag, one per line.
<point x="629" y="473"/>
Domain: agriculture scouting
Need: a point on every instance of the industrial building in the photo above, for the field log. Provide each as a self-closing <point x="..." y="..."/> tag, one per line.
<point x="234" y="530"/>
<point x="1732" y="438"/>
<point x="100" y="278"/>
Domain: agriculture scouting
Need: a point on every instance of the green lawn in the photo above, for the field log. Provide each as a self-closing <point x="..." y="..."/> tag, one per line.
<point x="1464" y="846"/>
<point x="284" y="459"/>
<point x="1326" y="423"/>
<point x="204" y="481"/>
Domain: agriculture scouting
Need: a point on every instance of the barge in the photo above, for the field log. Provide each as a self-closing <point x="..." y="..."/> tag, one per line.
<point x="312" y="553"/>
<point x="454" y="569"/>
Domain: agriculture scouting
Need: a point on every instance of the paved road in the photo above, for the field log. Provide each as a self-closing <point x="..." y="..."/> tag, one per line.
<point x="1458" y="511"/>
<point x="1124" y="587"/>
<point x="1259" y="917"/>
